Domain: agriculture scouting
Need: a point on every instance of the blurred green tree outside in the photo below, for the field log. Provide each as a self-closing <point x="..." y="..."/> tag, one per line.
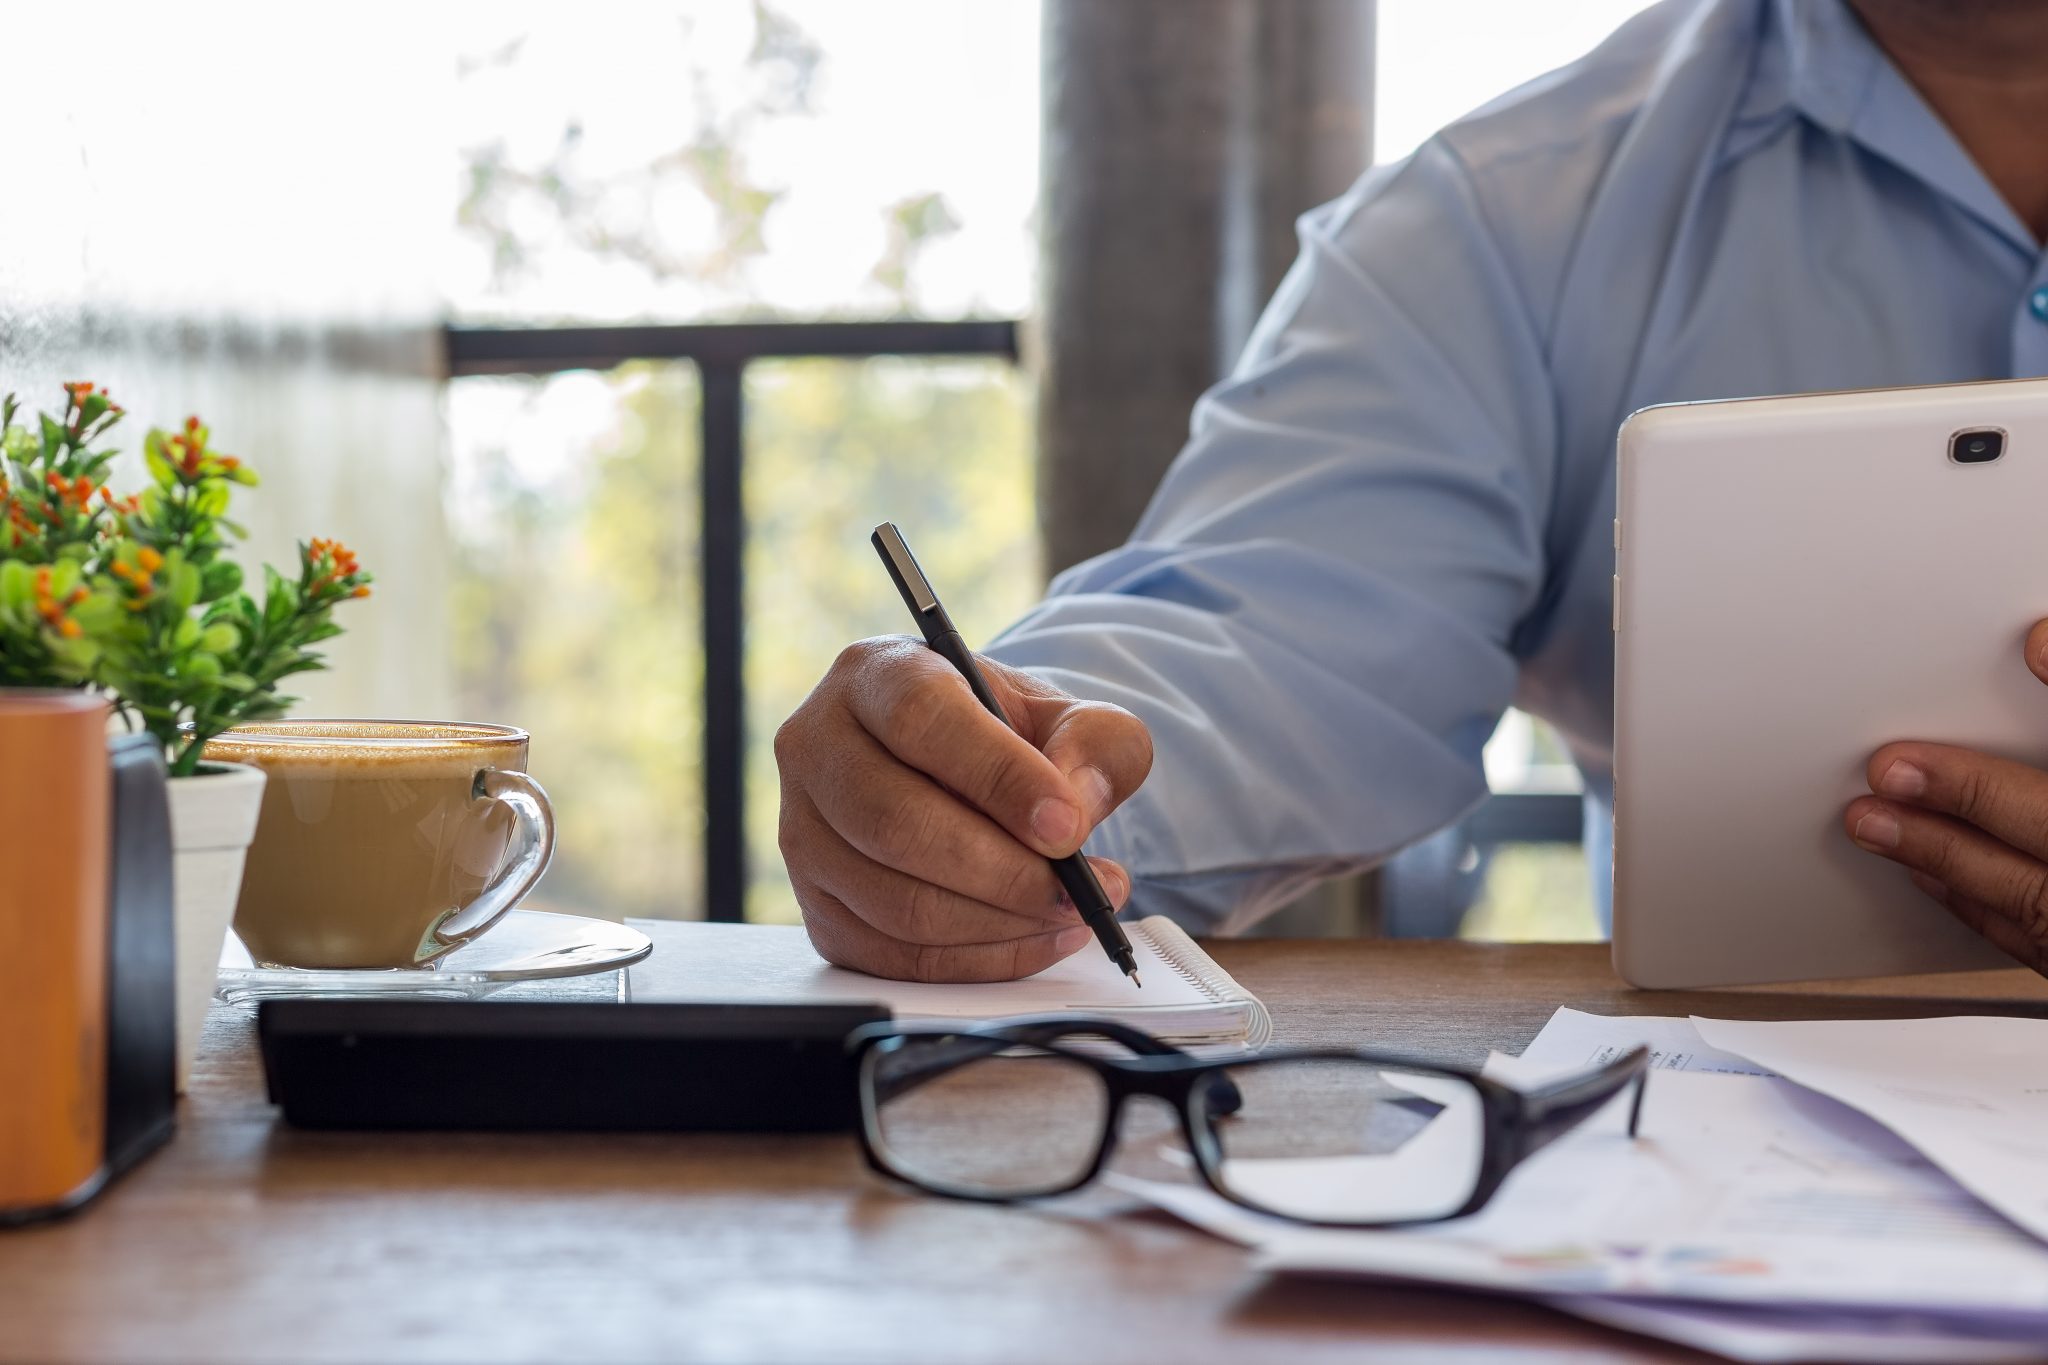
<point x="577" y="611"/>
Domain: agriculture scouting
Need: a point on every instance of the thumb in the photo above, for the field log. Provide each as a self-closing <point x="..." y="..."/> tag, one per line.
<point x="1103" y="750"/>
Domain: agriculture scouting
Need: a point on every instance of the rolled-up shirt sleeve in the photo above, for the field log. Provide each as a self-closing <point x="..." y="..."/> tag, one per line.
<point x="1315" y="616"/>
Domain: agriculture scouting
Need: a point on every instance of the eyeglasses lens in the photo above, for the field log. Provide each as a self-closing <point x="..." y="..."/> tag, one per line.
<point x="1346" y="1141"/>
<point x="977" y="1117"/>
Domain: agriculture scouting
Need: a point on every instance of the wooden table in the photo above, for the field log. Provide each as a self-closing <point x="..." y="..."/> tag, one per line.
<point x="249" y="1241"/>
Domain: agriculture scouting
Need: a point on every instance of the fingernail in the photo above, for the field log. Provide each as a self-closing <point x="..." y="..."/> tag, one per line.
<point x="1069" y="941"/>
<point x="1094" y="789"/>
<point x="1932" y="887"/>
<point x="1878" y="829"/>
<point x="1902" y="779"/>
<point x="1054" y="821"/>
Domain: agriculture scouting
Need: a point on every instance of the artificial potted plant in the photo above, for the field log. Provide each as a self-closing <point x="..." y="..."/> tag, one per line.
<point x="134" y="596"/>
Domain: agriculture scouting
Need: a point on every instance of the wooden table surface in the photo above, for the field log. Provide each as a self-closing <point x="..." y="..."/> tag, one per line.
<point x="249" y="1241"/>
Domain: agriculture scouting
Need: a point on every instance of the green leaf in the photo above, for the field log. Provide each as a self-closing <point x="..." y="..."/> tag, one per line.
<point x="219" y="579"/>
<point x="53" y="435"/>
<point x="100" y="615"/>
<point x="184" y="585"/>
<point x="282" y="601"/>
<point x="185" y="634"/>
<point x="17" y="584"/>
<point x="238" y="682"/>
<point x="220" y="638"/>
<point x="159" y="464"/>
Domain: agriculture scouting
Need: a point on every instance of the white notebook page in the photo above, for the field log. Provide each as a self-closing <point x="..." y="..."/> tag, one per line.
<point x="704" y="963"/>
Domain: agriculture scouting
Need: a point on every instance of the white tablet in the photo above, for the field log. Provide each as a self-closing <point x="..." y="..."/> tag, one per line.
<point x="1801" y="581"/>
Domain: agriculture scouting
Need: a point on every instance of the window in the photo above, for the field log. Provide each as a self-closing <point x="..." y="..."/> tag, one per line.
<point x="708" y="162"/>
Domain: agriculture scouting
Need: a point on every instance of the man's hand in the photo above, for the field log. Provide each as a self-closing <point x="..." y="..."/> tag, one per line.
<point x="1971" y="829"/>
<point x="916" y="825"/>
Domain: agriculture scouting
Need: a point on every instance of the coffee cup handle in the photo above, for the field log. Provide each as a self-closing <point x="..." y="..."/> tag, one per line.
<point x="534" y="844"/>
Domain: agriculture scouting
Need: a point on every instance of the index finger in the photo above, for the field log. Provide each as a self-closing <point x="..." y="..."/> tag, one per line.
<point x="1997" y="795"/>
<point x="923" y="712"/>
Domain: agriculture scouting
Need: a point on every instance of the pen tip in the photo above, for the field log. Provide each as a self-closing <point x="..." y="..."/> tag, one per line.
<point x="1134" y="979"/>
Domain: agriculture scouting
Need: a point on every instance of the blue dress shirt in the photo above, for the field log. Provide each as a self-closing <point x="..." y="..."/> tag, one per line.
<point x="1393" y="518"/>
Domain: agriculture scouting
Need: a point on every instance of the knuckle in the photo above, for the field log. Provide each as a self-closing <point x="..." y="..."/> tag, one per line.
<point x="929" y="961"/>
<point x="1975" y="792"/>
<point x="857" y="656"/>
<point x="788" y="745"/>
<point x="795" y="830"/>
<point x="923" y="700"/>
<point x="1943" y="855"/>
<point x="1027" y="956"/>
<point x="994" y="777"/>
<point x="1023" y="885"/>
<point x="2033" y="905"/>
<point x="904" y="831"/>
<point x="925" y="914"/>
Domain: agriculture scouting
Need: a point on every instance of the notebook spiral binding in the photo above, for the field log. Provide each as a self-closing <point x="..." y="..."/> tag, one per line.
<point x="1186" y="957"/>
<point x="1179" y="952"/>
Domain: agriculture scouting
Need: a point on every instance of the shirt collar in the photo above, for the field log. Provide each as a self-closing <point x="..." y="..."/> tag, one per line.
<point x="1816" y="60"/>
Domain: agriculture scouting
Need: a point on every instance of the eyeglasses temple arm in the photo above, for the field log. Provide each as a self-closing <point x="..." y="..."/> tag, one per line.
<point x="1550" y="1111"/>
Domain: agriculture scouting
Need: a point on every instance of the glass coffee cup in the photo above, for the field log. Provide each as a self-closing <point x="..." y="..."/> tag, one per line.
<point x="384" y="843"/>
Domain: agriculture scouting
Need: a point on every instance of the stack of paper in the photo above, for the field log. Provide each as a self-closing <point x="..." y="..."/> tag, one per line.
<point x="1756" y="1216"/>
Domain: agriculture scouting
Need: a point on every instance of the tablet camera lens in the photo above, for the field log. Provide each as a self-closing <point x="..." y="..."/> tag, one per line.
<point x="1976" y="447"/>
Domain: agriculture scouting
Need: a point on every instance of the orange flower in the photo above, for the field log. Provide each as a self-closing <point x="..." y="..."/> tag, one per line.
<point x="149" y="559"/>
<point x="53" y="611"/>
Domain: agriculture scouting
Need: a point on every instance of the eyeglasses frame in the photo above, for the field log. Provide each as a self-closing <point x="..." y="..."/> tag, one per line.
<point x="1515" y="1123"/>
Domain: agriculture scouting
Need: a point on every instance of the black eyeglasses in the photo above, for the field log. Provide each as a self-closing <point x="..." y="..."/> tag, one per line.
<point x="1029" y="1109"/>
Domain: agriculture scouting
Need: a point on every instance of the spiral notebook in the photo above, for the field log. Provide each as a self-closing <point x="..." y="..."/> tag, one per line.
<point x="1187" y="999"/>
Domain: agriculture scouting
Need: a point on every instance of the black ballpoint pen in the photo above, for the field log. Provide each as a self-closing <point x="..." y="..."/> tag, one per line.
<point x="1073" y="870"/>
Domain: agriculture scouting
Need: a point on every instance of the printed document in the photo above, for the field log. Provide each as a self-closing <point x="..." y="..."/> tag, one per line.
<point x="1752" y="1216"/>
<point x="1971" y="1094"/>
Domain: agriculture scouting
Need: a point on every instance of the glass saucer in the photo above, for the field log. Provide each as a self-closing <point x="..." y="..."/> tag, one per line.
<point x="527" y="945"/>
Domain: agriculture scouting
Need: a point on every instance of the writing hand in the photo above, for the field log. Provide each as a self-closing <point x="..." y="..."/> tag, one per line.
<point x="916" y="825"/>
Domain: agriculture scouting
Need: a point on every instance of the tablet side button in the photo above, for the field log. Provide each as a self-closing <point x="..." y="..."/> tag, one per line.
<point x="1615" y="616"/>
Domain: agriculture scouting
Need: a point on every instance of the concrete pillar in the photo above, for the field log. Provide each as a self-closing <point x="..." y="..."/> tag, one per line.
<point x="1181" y="139"/>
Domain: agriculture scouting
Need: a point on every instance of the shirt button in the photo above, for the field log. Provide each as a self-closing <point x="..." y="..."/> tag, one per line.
<point x="2037" y="303"/>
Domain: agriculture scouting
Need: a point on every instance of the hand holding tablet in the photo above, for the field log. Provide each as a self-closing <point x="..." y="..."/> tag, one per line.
<point x="1811" y="590"/>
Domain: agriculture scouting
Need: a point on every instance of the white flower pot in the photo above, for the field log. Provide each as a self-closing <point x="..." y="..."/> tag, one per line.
<point x="213" y="818"/>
